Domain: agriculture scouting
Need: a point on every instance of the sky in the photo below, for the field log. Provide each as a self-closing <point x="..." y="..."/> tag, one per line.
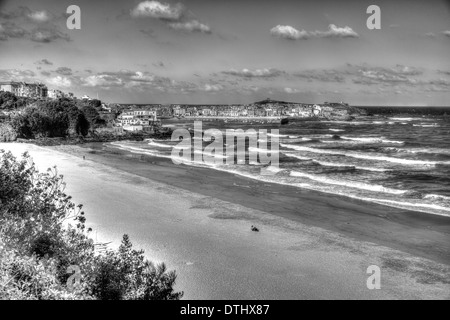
<point x="226" y="52"/>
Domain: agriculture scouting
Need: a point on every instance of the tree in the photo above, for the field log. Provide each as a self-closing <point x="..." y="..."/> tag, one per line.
<point x="95" y="103"/>
<point x="93" y="116"/>
<point x="78" y="123"/>
<point x="57" y="118"/>
<point x="36" y="246"/>
<point x="126" y="274"/>
<point x="9" y="101"/>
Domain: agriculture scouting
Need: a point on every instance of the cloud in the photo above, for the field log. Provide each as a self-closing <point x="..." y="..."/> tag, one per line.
<point x="376" y="75"/>
<point x="290" y="33"/>
<point x="143" y="81"/>
<point x="125" y="78"/>
<point x="257" y="73"/>
<point x="39" y="16"/>
<point x="446" y="72"/>
<point x="25" y="13"/>
<point x="212" y="87"/>
<point x="175" y="16"/>
<point x="17" y="75"/>
<point x="149" y="32"/>
<point x="334" y="31"/>
<point x="158" y="10"/>
<point x="59" y="81"/>
<point x="446" y="33"/>
<point x="322" y="75"/>
<point x="102" y="80"/>
<point x="44" y="62"/>
<point x="64" y="71"/>
<point x="159" y="64"/>
<point x="45" y="73"/>
<point x="290" y="90"/>
<point x="24" y="23"/>
<point x="440" y="82"/>
<point x="9" y="29"/>
<point x="46" y="35"/>
<point x="190" y="26"/>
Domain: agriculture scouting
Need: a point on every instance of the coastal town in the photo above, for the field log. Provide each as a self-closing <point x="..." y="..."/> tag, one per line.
<point x="144" y="117"/>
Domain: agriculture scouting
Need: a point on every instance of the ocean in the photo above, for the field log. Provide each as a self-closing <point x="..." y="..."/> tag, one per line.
<point x="401" y="160"/>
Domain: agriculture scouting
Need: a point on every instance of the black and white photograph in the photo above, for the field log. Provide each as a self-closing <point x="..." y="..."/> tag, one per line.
<point x="226" y="155"/>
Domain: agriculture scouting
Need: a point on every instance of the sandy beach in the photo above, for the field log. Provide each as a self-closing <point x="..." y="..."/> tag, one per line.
<point x="310" y="245"/>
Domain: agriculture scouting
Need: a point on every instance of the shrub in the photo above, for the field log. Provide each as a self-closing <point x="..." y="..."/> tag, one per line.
<point x="7" y="133"/>
<point x="37" y="246"/>
<point x="126" y="274"/>
<point x="56" y="118"/>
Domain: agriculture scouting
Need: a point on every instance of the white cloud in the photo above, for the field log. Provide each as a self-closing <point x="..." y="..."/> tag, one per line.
<point x="334" y="31"/>
<point x="191" y="26"/>
<point x="288" y="32"/>
<point x="48" y="35"/>
<point x="17" y="75"/>
<point x="103" y="80"/>
<point x="39" y="16"/>
<point x="140" y="76"/>
<point x="212" y="87"/>
<point x="158" y="10"/>
<point x="290" y="90"/>
<point x="257" y="73"/>
<point x="446" y="33"/>
<point x="60" y="81"/>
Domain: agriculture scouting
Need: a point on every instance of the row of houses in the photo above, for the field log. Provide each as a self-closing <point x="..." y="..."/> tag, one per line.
<point x="24" y="89"/>
<point x="35" y="90"/>
<point x="138" y="120"/>
<point x="261" y="109"/>
<point x="268" y="110"/>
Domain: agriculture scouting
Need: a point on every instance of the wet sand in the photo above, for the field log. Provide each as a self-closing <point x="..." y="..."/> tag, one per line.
<point x="310" y="245"/>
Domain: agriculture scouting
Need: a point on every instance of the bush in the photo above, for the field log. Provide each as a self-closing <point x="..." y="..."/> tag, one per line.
<point x="125" y="274"/>
<point x="37" y="246"/>
<point x="93" y="116"/>
<point x="28" y="278"/>
<point x="8" y="101"/>
<point x="7" y="133"/>
<point x="58" y="118"/>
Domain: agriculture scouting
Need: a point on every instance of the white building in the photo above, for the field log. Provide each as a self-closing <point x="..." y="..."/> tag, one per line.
<point x="137" y="118"/>
<point x="23" y="89"/>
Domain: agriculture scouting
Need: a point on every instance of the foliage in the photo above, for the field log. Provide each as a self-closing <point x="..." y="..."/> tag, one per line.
<point x="38" y="245"/>
<point x="95" y="103"/>
<point x="7" y="133"/>
<point x="57" y="118"/>
<point x="8" y="101"/>
<point x="93" y="116"/>
<point x="29" y="278"/>
<point x="125" y="274"/>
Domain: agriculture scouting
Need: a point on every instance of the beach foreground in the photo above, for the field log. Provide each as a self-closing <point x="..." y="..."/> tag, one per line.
<point x="202" y="230"/>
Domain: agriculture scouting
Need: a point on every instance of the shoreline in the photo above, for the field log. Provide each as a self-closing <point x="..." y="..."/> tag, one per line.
<point x="418" y="233"/>
<point x="198" y="221"/>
